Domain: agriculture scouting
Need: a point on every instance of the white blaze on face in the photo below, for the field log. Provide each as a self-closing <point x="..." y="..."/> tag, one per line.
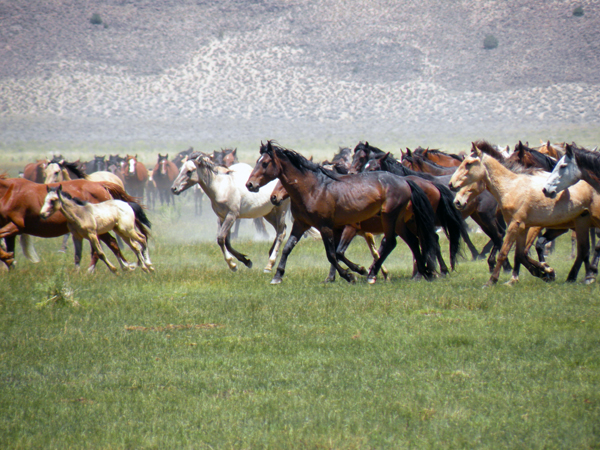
<point x="132" y="165"/>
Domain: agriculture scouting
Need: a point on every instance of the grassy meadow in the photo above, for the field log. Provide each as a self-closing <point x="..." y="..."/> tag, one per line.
<point x="197" y="356"/>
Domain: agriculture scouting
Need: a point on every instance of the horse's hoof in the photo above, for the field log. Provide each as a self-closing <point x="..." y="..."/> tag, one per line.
<point x="589" y="280"/>
<point x="233" y="268"/>
<point x="248" y="264"/>
<point x="362" y="271"/>
<point x="266" y="270"/>
<point x="329" y="280"/>
<point x="371" y="280"/>
<point x="511" y="282"/>
<point x="351" y="278"/>
<point x="276" y="281"/>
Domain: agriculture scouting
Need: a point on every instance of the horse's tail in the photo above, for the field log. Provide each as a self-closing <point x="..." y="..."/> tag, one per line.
<point x="141" y="220"/>
<point x="28" y="248"/>
<point x="451" y="220"/>
<point x="118" y="193"/>
<point x="425" y="222"/>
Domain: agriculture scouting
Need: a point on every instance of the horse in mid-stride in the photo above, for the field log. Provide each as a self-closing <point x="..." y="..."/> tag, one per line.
<point x="331" y="203"/>
<point x="88" y="220"/>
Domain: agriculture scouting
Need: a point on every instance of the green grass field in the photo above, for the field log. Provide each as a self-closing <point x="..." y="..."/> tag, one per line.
<point x="196" y="356"/>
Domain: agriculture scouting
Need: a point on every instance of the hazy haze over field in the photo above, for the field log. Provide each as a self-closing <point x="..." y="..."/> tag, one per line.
<point x="298" y="71"/>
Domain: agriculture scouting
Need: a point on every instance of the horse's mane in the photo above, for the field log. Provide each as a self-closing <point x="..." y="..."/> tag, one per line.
<point x="299" y="161"/>
<point x="77" y="200"/>
<point x="368" y="148"/>
<point x="395" y="166"/>
<point x="513" y="166"/>
<point x="586" y="158"/>
<point x="436" y="151"/>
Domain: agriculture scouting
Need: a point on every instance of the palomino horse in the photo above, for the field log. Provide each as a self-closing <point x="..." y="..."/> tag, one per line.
<point x="555" y="151"/>
<point x="524" y="206"/>
<point x="88" y="220"/>
<point x="135" y="176"/>
<point x="231" y="200"/>
<point x="163" y="175"/>
<point x="20" y="203"/>
<point x="332" y="204"/>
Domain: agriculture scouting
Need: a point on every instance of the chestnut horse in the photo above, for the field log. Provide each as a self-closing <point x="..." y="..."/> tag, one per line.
<point x="135" y="176"/>
<point x="21" y="201"/>
<point x="332" y="203"/>
<point x="163" y="175"/>
<point x="35" y="171"/>
<point x="439" y="157"/>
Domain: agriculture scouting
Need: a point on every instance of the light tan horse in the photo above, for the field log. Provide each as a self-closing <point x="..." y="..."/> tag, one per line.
<point x="524" y="206"/>
<point x="55" y="172"/>
<point x="556" y="151"/>
<point x="88" y="220"/>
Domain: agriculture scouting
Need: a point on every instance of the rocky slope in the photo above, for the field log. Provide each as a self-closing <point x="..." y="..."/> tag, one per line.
<point x="180" y="69"/>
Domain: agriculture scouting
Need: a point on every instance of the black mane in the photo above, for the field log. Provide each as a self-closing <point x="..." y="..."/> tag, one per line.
<point x="299" y="161"/>
<point x="77" y="200"/>
<point x="586" y="158"/>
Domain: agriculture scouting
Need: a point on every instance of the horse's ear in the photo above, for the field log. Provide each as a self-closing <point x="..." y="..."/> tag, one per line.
<point x="548" y="145"/>
<point x="475" y="150"/>
<point x="385" y="156"/>
<point x="520" y="148"/>
<point x="569" y="150"/>
<point x="167" y="156"/>
<point x="408" y="152"/>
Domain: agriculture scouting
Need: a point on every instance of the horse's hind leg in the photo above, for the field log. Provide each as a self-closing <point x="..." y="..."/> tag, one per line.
<point x="223" y="240"/>
<point x="135" y="245"/>
<point x="329" y="242"/>
<point x="112" y="244"/>
<point x="370" y="240"/>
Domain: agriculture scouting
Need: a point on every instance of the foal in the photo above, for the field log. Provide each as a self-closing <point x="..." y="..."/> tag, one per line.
<point x="87" y="220"/>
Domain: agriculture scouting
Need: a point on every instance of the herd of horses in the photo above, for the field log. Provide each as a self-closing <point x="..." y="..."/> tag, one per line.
<point x="524" y="197"/>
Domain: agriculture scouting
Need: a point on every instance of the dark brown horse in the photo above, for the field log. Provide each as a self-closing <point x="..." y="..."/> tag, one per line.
<point x="531" y="158"/>
<point x="225" y="157"/>
<point x="332" y="203"/>
<point x="163" y="175"/>
<point x="21" y="201"/>
<point x="416" y="162"/>
<point x="135" y="176"/>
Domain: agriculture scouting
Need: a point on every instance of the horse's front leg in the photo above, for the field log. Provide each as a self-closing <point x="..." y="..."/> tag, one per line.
<point x="388" y="243"/>
<point x="582" y="225"/>
<point x="223" y="241"/>
<point x="298" y="229"/>
<point x="330" y="250"/>
<point x="113" y="245"/>
<point x="276" y="217"/>
<point x="93" y="238"/>
<point x="509" y="239"/>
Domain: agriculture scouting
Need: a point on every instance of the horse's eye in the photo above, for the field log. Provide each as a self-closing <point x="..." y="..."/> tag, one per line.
<point x="563" y="166"/>
<point x="265" y="165"/>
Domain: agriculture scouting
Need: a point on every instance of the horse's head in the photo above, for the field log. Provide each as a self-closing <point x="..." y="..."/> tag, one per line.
<point x="229" y="157"/>
<point x="376" y="163"/>
<point x="186" y="178"/>
<point x="467" y="193"/>
<point x="360" y="158"/>
<point x="471" y="170"/>
<point x="53" y="173"/>
<point x="51" y="202"/>
<point x="279" y="194"/>
<point x="266" y="168"/>
<point x="566" y="173"/>
<point x="163" y="163"/>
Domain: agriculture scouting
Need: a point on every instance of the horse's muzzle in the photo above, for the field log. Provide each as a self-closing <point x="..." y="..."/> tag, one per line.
<point x="549" y="194"/>
<point x="253" y="187"/>
<point x="452" y="187"/>
<point x="458" y="205"/>
<point x="274" y="200"/>
<point x="175" y="191"/>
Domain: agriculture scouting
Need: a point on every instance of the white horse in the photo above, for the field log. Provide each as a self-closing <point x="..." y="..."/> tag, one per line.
<point x="88" y="220"/>
<point x="230" y="200"/>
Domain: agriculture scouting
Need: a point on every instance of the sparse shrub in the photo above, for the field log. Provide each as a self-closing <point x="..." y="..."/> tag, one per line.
<point x="490" y="42"/>
<point x="95" y="19"/>
<point x="578" y="12"/>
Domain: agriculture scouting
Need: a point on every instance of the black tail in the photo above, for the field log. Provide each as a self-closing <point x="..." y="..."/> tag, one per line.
<point x="451" y="221"/>
<point x="141" y="220"/>
<point x="425" y="221"/>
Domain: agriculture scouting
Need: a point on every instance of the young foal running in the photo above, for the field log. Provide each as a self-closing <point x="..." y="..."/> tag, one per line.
<point x="87" y="220"/>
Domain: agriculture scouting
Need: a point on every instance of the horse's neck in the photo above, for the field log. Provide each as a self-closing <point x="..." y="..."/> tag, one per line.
<point x="498" y="179"/>
<point x="299" y="185"/>
<point x="209" y="181"/>
<point x="71" y="210"/>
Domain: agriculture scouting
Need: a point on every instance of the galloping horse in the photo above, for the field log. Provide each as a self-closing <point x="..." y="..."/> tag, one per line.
<point x="163" y="175"/>
<point x="231" y="200"/>
<point x="135" y="176"/>
<point x="333" y="203"/>
<point x="524" y="206"/>
<point x="20" y="203"/>
<point x="87" y="220"/>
